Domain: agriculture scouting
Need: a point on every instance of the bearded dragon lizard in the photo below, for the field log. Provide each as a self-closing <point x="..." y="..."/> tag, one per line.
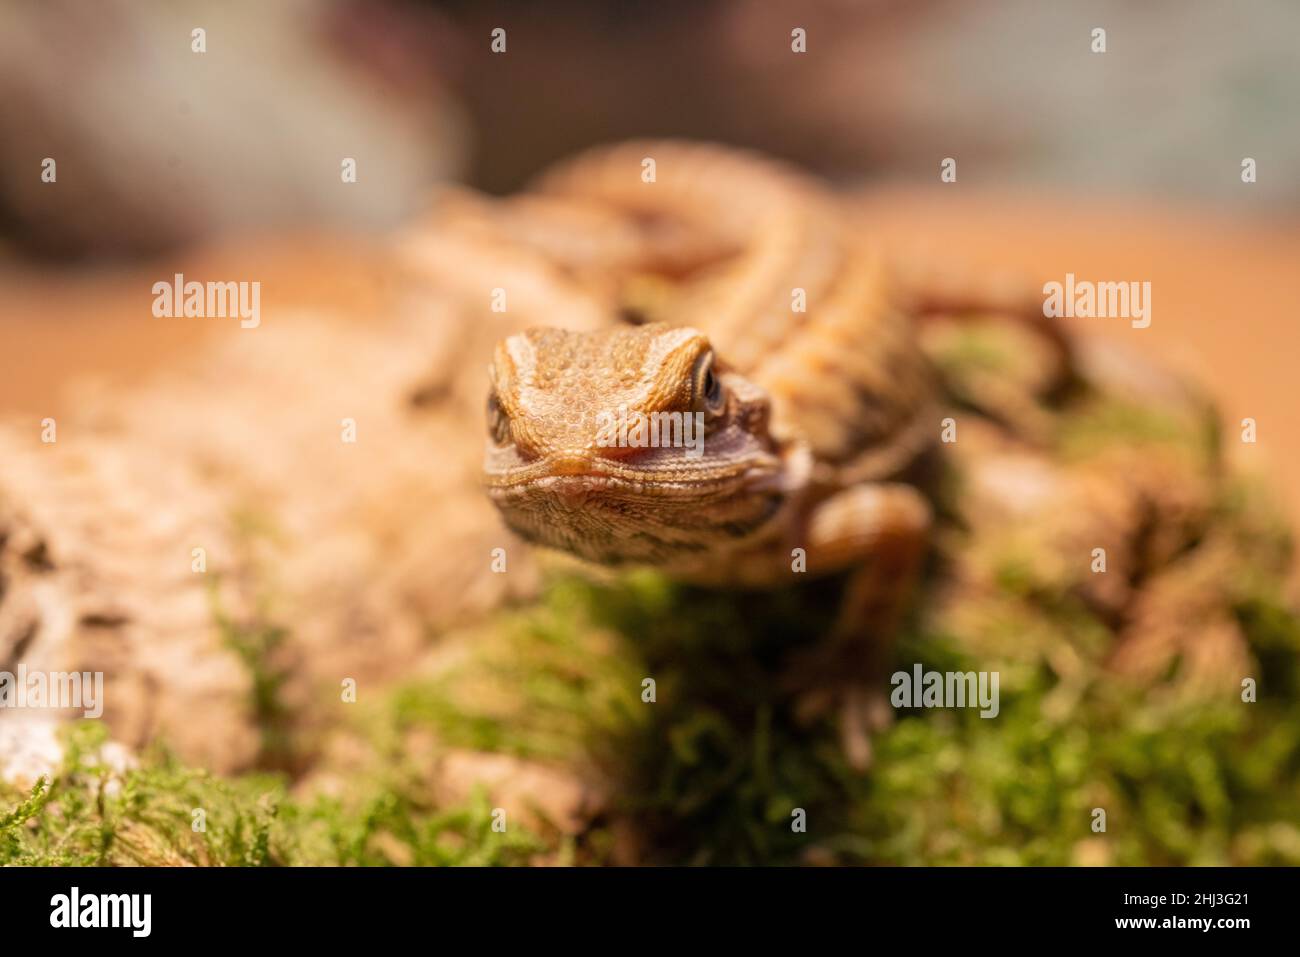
<point x="739" y="296"/>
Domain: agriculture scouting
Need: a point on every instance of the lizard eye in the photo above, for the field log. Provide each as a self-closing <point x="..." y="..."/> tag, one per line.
<point x="498" y="422"/>
<point x="712" y="396"/>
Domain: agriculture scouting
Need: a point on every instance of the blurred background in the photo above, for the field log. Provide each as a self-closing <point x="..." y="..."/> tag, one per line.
<point x="1122" y="165"/>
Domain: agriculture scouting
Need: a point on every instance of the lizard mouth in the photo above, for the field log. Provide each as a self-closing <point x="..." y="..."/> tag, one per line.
<point x="579" y="487"/>
<point x="616" y="519"/>
<point x="582" y="477"/>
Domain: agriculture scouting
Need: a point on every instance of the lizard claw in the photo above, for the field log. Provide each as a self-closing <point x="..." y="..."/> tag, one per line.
<point x="826" y="684"/>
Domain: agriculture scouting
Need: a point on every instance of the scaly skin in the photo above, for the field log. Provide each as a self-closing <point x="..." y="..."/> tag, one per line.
<point x="814" y="420"/>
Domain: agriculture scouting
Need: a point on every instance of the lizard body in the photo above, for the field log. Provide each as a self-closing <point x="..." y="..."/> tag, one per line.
<point x="822" y="399"/>
<point x="812" y="416"/>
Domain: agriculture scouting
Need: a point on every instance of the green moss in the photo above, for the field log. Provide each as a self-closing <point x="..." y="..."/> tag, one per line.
<point x="257" y="647"/>
<point x="1097" y="422"/>
<point x="713" y="769"/>
<point x="92" y="815"/>
<point x="165" y="814"/>
<point x="974" y="348"/>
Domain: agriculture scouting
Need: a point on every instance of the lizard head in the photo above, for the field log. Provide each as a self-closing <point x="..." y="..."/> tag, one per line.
<point x="627" y="445"/>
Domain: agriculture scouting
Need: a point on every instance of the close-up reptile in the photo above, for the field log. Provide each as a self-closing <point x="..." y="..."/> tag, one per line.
<point x="735" y="290"/>
<point x="708" y="434"/>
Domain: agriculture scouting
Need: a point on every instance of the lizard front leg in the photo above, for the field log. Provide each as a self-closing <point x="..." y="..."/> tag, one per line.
<point x="879" y="533"/>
